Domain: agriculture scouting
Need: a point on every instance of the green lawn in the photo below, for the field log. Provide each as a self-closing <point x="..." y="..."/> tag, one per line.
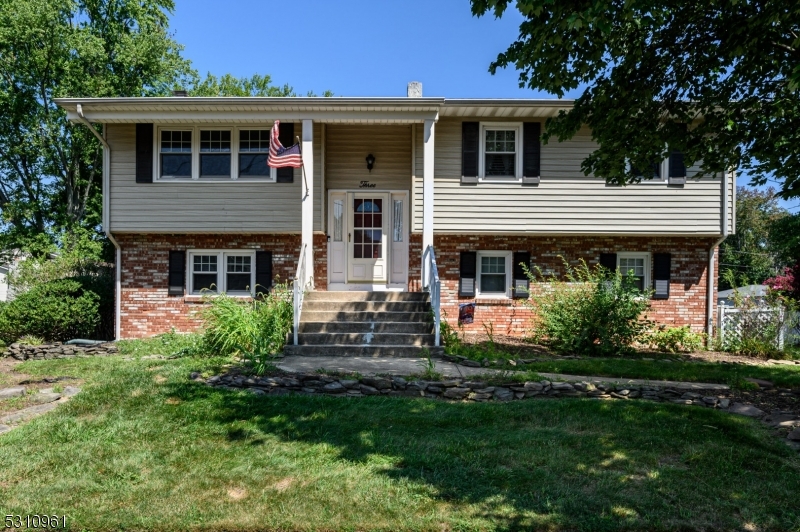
<point x="144" y="448"/>
<point x="734" y="374"/>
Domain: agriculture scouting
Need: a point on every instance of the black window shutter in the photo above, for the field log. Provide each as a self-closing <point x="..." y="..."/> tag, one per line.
<point x="521" y="282"/>
<point x="609" y="261"/>
<point x="467" y="273"/>
<point x="531" y="152"/>
<point x="177" y="272"/>
<point x="286" y="138"/>
<point x="470" y="151"/>
<point x="263" y="271"/>
<point x="144" y="153"/>
<point x="661" y="271"/>
<point x="677" y="170"/>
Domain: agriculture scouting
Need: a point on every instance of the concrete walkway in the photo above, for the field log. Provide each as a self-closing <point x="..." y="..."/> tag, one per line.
<point x="410" y="366"/>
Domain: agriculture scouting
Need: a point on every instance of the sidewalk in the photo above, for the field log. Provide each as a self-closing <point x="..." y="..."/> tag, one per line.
<point x="410" y="366"/>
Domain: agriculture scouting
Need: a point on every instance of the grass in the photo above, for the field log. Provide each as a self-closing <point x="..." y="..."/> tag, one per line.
<point x="144" y="448"/>
<point x="731" y="374"/>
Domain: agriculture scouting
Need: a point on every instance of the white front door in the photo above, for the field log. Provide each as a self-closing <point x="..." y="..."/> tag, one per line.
<point x="369" y="217"/>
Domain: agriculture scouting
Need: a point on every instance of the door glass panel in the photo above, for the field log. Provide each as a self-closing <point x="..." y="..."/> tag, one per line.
<point x="338" y="218"/>
<point x="397" y="229"/>
<point x="367" y="228"/>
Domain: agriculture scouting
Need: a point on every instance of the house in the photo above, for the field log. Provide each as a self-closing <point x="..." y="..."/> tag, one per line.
<point x="757" y="291"/>
<point x="190" y="202"/>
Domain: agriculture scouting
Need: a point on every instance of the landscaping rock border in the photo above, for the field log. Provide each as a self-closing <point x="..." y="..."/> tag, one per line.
<point x="59" y="350"/>
<point x="459" y="389"/>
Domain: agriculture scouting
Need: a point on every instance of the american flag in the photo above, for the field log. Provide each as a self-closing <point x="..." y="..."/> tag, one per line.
<point x="280" y="157"/>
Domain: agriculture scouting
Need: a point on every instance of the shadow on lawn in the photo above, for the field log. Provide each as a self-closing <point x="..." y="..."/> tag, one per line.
<point x="578" y="464"/>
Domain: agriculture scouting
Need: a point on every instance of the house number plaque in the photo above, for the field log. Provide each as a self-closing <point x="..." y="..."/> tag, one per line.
<point x="366" y="184"/>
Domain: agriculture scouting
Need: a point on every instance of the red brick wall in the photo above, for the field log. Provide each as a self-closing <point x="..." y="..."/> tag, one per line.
<point x="145" y="307"/>
<point x="685" y="306"/>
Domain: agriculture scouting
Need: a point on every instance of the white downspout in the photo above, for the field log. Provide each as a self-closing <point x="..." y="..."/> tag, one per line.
<point x="105" y="192"/>
<point x="711" y="255"/>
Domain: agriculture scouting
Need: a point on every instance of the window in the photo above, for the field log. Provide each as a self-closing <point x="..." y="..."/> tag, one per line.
<point x="494" y="273"/>
<point x="253" y="153"/>
<point x="215" y="153"/>
<point x="501" y="153"/>
<point x="175" y="148"/>
<point x="232" y="272"/>
<point x="205" y="153"/>
<point x="638" y="264"/>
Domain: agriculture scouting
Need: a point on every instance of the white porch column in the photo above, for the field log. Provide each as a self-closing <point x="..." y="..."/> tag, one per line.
<point x="307" y="196"/>
<point x="427" y="190"/>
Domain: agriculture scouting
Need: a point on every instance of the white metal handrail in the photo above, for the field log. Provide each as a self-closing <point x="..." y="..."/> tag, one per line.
<point x="433" y="285"/>
<point x="299" y="285"/>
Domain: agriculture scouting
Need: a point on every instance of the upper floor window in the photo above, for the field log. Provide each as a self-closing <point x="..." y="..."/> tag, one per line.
<point x="253" y="153"/>
<point x="206" y="153"/>
<point x="175" y="153"/>
<point x="501" y="151"/>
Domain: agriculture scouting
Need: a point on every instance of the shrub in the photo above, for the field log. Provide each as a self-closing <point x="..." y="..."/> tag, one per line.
<point x="674" y="339"/>
<point x="256" y="328"/>
<point x="57" y="310"/>
<point x="592" y="312"/>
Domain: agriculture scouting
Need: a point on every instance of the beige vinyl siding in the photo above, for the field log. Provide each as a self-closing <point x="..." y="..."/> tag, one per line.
<point x="193" y="207"/>
<point x="565" y="201"/>
<point x="346" y="149"/>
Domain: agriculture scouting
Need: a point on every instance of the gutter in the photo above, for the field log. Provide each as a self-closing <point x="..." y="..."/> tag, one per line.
<point x="105" y="192"/>
<point x="711" y="257"/>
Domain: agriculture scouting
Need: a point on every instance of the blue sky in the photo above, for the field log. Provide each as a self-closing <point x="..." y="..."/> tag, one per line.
<point x="356" y="47"/>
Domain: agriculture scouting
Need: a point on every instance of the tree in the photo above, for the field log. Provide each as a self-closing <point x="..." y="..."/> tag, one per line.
<point x="729" y="68"/>
<point x="228" y="85"/>
<point x="49" y="168"/>
<point x="754" y="253"/>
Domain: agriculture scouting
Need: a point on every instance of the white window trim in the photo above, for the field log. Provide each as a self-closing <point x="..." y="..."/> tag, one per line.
<point x="221" y="267"/>
<point x="484" y="126"/>
<point x="195" y="129"/>
<point x="508" y="255"/>
<point x="637" y="255"/>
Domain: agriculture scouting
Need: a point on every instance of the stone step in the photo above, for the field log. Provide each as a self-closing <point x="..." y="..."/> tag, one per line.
<point x="365" y="339"/>
<point x="311" y="315"/>
<point x="367" y="306"/>
<point x="366" y="327"/>
<point x="372" y="351"/>
<point x="367" y="296"/>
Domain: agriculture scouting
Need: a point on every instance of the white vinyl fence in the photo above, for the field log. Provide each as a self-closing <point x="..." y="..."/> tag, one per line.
<point x="731" y="322"/>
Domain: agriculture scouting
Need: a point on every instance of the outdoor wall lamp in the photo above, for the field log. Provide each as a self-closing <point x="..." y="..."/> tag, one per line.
<point x="370" y="162"/>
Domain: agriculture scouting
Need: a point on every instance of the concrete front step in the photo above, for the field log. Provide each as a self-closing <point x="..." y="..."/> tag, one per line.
<point x="366" y="327"/>
<point x="367" y="296"/>
<point x="366" y="339"/>
<point x="363" y="351"/>
<point x="310" y="315"/>
<point x="366" y="306"/>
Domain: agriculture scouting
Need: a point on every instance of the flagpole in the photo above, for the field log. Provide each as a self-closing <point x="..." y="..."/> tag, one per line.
<point x="302" y="163"/>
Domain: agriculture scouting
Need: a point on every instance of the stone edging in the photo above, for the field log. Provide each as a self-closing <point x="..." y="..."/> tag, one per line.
<point x="459" y="389"/>
<point x="59" y="350"/>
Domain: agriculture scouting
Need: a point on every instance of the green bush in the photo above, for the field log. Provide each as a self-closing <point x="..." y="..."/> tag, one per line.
<point x="57" y="310"/>
<point x="592" y="312"/>
<point x="674" y="339"/>
<point x="255" y="328"/>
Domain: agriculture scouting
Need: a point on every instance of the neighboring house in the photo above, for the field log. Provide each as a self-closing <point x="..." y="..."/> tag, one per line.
<point x="757" y="291"/>
<point x="189" y="202"/>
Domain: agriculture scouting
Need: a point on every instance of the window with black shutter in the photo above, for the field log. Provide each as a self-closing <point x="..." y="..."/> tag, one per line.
<point x="177" y="273"/>
<point x="470" y="151"/>
<point x="521" y="286"/>
<point x="467" y="273"/>
<point x="609" y="261"/>
<point x="662" y="264"/>
<point x="286" y="138"/>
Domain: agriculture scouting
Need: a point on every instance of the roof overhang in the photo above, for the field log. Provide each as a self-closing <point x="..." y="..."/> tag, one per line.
<point x="189" y="110"/>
